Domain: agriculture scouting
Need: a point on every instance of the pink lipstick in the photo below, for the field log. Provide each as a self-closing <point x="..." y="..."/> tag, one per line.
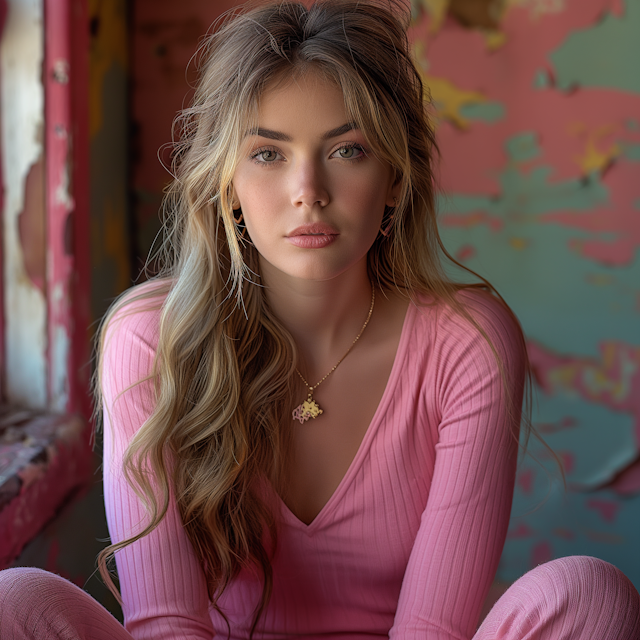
<point x="313" y="236"/>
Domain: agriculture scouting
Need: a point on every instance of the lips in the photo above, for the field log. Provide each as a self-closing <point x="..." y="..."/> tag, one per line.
<point x="315" y="229"/>
<point x="313" y="236"/>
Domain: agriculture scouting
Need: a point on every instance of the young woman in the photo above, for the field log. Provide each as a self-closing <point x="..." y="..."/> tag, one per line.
<point x="309" y="430"/>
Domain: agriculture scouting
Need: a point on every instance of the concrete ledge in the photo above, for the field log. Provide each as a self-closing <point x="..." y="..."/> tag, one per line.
<point x="44" y="459"/>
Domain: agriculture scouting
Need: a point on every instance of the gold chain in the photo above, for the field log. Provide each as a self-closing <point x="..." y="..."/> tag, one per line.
<point x="310" y="408"/>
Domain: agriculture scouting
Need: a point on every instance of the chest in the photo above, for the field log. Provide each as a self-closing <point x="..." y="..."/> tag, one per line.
<point x="324" y="448"/>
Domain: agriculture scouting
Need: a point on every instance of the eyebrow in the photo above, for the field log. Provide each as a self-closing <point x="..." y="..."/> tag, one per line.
<point x="278" y="135"/>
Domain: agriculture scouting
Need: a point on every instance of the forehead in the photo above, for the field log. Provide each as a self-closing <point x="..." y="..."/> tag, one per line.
<point x="305" y="98"/>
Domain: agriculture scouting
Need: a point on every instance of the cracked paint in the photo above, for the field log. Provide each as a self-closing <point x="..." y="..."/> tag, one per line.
<point x="21" y="57"/>
<point x="540" y="151"/>
<point x="32" y="226"/>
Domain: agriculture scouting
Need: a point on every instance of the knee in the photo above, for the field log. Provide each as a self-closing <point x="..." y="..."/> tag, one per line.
<point x="567" y="599"/>
<point x="18" y="584"/>
<point x="582" y="577"/>
<point x="30" y="585"/>
<point x="24" y="593"/>
<point x="590" y="596"/>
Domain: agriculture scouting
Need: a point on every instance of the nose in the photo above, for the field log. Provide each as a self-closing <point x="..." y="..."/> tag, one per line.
<point x="309" y="186"/>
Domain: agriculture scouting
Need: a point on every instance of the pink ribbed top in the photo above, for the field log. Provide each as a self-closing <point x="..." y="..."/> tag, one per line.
<point x="408" y="544"/>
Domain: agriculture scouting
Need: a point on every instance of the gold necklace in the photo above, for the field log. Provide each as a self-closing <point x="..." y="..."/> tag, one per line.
<point x="310" y="408"/>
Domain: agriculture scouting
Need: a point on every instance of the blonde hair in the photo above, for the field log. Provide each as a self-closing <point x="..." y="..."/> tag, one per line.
<point x="225" y="365"/>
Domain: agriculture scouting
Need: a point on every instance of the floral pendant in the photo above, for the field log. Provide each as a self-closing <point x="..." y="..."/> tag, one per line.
<point x="308" y="409"/>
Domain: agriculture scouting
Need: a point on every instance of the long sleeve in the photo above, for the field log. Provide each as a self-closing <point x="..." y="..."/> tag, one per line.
<point x="463" y="528"/>
<point x="162" y="585"/>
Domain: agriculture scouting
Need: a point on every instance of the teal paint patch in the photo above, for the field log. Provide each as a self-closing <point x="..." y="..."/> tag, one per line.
<point x="461" y="204"/>
<point x="523" y="147"/>
<point x="604" y="55"/>
<point x="632" y="151"/>
<point x="550" y="287"/>
<point x="611" y="449"/>
<point x="532" y="193"/>
<point x="574" y="312"/>
<point x="541" y="79"/>
<point x="564" y="520"/>
<point x="561" y="299"/>
<point x="487" y="111"/>
<point x="633" y="125"/>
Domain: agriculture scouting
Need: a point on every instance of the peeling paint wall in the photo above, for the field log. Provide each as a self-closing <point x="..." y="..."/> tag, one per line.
<point x="538" y="118"/>
<point x="21" y="56"/>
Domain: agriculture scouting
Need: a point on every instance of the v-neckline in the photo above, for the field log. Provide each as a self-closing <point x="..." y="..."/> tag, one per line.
<point x="365" y="445"/>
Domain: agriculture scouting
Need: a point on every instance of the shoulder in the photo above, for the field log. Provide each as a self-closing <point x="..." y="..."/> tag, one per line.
<point x="130" y="333"/>
<point x="492" y="316"/>
<point x="481" y="332"/>
<point x="136" y="311"/>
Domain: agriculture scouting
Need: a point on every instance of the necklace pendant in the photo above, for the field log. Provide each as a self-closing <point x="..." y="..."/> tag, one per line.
<point x="308" y="409"/>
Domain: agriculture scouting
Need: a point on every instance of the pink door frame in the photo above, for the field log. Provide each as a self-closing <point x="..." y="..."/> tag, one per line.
<point x="66" y="77"/>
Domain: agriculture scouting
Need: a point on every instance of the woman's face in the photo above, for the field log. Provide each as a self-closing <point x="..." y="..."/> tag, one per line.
<point x="311" y="192"/>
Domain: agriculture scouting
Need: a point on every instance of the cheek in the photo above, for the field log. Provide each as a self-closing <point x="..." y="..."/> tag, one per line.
<point x="258" y="197"/>
<point x="368" y="197"/>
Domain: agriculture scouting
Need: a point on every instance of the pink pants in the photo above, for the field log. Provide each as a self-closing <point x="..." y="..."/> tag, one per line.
<point x="575" y="598"/>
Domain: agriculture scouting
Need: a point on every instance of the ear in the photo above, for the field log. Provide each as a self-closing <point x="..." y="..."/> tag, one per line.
<point x="395" y="188"/>
<point x="235" y="202"/>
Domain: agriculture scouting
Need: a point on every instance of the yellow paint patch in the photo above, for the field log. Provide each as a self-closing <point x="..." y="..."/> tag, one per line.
<point x="564" y="377"/>
<point x="495" y="39"/>
<point x="600" y="279"/>
<point x="447" y="98"/>
<point x="519" y="243"/>
<point x="594" y="158"/>
<point x="537" y="8"/>
<point x="437" y="10"/>
<point x="108" y="47"/>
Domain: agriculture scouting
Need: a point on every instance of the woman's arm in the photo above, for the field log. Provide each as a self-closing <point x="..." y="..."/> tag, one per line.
<point x="464" y="525"/>
<point x="162" y="585"/>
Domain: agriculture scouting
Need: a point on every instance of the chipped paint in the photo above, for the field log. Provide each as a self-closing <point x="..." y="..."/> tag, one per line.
<point x="581" y="61"/>
<point x="59" y="358"/>
<point x="42" y="462"/>
<point x="447" y="98"/>
<point x="21" y="56"/>
<point x="32" y="226"/>
<point x="595" y="159"/>
<point x="542" y="198"/>
<point x="66" y="130"/>
<point x="612" y="380"/>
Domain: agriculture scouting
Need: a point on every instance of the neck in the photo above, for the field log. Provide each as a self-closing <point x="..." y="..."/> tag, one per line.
<point x="323" y="317"/>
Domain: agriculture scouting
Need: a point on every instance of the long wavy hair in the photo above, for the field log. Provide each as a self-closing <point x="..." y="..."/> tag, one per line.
<point x="224" y="371"/>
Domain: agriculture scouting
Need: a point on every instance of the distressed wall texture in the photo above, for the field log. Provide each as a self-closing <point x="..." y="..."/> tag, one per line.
<point x="39" y="461"/>
<point x="538" y="116"/>
<point x="23" y="223"/>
